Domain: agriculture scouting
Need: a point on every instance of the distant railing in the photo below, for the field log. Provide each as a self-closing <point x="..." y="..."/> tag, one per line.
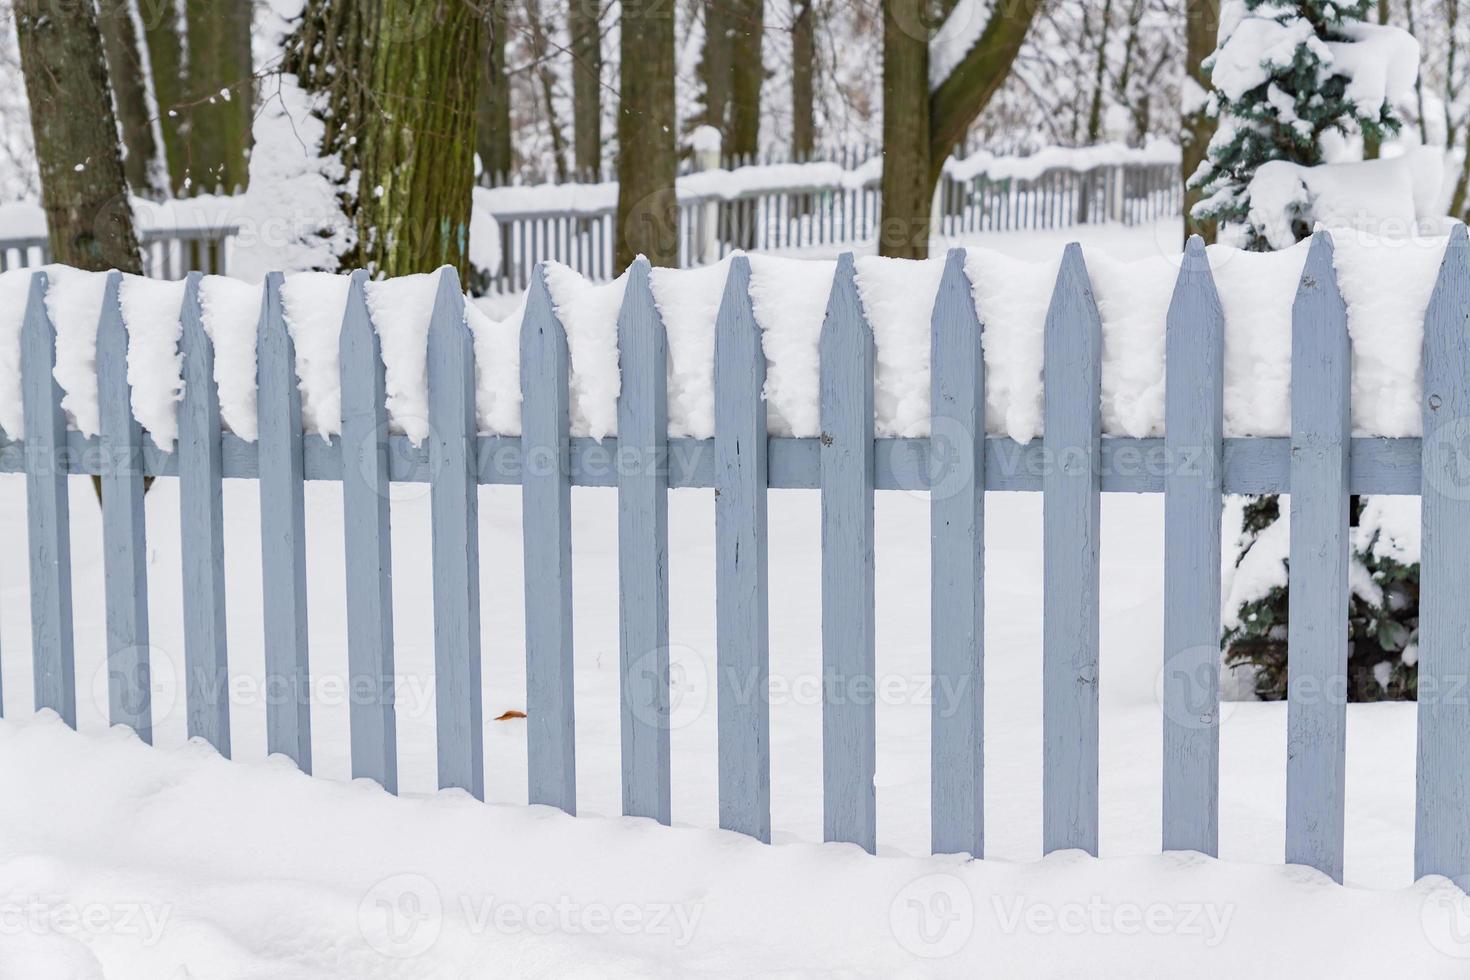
<point x="168" y="253"/>
<point x="815" y="206"/>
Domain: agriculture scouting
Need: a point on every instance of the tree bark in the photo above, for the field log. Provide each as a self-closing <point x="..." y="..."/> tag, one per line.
<point x="163" y="32"/>
<point x="907" y="191"/>
<point x="648" y="213"/>
<point x="803" y="69"/>
<point x="585" y="20"/>
<point x="84" y="190"/>
<point x="1094" y="109"/>
<point x="492" y="124"/>
<point x="920" y="127"/>
<point x="220" y="90"/>
<point x="417" y="138"/>
<point x="746" y="75"/>
<point x="715" y="68"/>
<point x="1202" y="24"/>
<point x="125" y="71"/>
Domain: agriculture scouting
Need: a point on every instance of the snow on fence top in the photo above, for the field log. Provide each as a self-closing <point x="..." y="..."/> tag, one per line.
<point x="1385" y="282"/>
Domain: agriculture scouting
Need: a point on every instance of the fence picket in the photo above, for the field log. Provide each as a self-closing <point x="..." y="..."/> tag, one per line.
<point x="741" y="609"/>
<point x="47" y="511"/>
<point x="368" y="543"/>
<point x="643" y="545"/>
<point x="124" y="552"/>
<point x="849" y="721"/>
<point x="546" y="524"/>
<point x="201" y="532"/>
<point x="957" y="564"/>
<point x="1195" y="454"/>
<point x="1071" y="509"/>
<point x="1441" y="839"/>
<point x="282" y="533"/>
<point x="454" y="513"/>
<point x="1317" y="630"/>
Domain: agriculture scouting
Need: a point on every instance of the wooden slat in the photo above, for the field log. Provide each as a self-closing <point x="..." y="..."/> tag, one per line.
<point x="201" y="532"/>
<point x="1071" y="521"/>
<point x="1441" y="835"/>
<point x="1317" y="631"/>
<point x="124" y="548"/>
<point x="47" y="511"/>
<point x="849" y="720"/>
<point x="1194" y="437"/>
<point x="643" y="550"/>
<point x="282" y="533"/>
<point x="454" y="509"/>
<point x="546" y="527"/>
<point x="368" y="542"/>
<point x="741" y="601"/>
<point x="957" y="567"/>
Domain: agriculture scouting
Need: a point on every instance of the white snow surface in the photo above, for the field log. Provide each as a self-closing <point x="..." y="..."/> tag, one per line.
<point x="250" y="869"/>
<point x="1385" y="281"/>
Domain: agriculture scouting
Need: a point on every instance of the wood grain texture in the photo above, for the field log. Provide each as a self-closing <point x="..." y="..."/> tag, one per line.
<point x="282" y="533"/>
<point x="367" y="539"/>
<point x="1441" y="835"/>
<point x="1071" y="528"/>
<point x="643" y="550"/>
<point x="741" y="598"/>
<point x="124" y="541"/>
<point x="546" y="527"/>
<point x="48" y="517"/>
<point x="957" y="567"/>
<point x="1317" y="631"/>
<point x="454" y="515"/>
<point x="201" y="533"/>
<point x="1194" y="439"/>
<point x="849" y="719"/>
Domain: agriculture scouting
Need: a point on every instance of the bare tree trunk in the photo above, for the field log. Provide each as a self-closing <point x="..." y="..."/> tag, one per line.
<point x="417" y="143"/>
<point x="492" y="115"/>
<point x="1371" y="146"/>
<point x="921" y="127"/>
<point x="585" y="20"/>
<point x="648" y="213"/>
<point x="746" y="75"/>
<point x="220" y="89"/>
<point x="84" y="190"/>
<point x="803" y="69"/>
<point x="1459" y="206"/>
<point x="163" y="32"/>
<point x="546" y="79"/>
<point x="715" y="68"/>
<point x="906" y="189"/>
<point x="1198" y="126"/>
<point x="1094" y="110"/>
<point x="125" y="71"/>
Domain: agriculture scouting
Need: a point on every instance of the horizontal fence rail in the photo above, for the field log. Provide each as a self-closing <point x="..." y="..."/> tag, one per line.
<point x="1320" y="464"/>
<point x="795" y="218"/>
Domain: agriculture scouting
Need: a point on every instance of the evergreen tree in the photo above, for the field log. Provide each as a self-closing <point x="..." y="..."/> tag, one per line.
<point x="1278" y="90"/>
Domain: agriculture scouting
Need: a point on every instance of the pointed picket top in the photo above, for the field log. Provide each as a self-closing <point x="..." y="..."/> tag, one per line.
<point x="540" y="308"/>
<point x="448" y="299"/>
<point x="844" y="304"/>
<point x="1318" y="290"/>
<point x="112" y="335"/>
<point x="735" y="307"/>
<point x="357" y="323"/>
<point x="37" y="330"/>
<point x="956" y="277"/>
<point x="272" y="317"/>
<point x="1454" y="273"/>
<point x="638" y="299"/>
<point x="1195" y="294"/>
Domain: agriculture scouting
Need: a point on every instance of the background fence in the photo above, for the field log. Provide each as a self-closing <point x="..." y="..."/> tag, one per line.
<point x="1320" y="464"/>
<point x="840" y="208"/>
<point x="168" y="253"/>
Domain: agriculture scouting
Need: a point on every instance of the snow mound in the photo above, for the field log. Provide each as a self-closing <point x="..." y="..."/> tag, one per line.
<point x="1385" y="281"/>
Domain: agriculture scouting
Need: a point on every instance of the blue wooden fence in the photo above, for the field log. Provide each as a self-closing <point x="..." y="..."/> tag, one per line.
<point x="1193" y="465"/>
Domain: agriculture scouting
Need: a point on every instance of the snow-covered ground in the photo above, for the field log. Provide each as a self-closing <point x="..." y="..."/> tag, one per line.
<point x="249" y="869"/>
